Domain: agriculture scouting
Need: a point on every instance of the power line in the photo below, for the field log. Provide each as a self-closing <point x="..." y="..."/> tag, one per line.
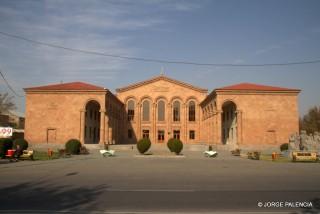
<point x="158" y="60"/>
<point x="9" y="86"/>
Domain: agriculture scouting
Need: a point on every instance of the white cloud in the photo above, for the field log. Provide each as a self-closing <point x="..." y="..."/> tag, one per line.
<point x="100" y="26"/>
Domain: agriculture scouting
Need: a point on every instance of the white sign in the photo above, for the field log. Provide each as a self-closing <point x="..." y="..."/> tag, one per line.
<point x="5" y="131"/>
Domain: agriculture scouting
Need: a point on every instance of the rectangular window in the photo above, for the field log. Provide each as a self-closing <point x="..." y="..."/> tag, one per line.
<point x="160" y="136"/>
<point x="130" y="115"/>
<point x="145" y="133"/>
<point x="176" y="134"/>
<point x="192" y="135"/>
<point x="130" y="133"/>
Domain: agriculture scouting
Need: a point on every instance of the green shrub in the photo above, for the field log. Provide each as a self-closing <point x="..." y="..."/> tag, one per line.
<point x="284" y="147"/>
<point x="21" y="142"/>
<point x="175" y="145"/>
<point x="143" y="145"/>
<point x="73" y="146"/>
<point x="170" y="144"/>
<point x="5" y="144"/>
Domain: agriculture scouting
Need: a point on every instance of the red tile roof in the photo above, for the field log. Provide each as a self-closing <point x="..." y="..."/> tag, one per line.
<point x="68" y="86"/>
<point x="255" y="87"/>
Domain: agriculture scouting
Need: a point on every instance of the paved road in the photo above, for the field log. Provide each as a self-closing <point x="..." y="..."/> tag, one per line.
<point x="130" y="183"/>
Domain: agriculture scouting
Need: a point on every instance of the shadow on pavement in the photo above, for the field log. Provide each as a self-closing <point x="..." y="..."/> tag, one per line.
<point x="41" y="196"/>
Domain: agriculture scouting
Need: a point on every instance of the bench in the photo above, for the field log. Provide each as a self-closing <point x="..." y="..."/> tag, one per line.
<point x="107" y="153"/>
<point x="210" y="153"/>
<point x="236" y="152"/>
<point x="63" y="153"/>
<point x="254" y="155"/>
<point x="26" y="155"/>
<point x="304" y="156"/>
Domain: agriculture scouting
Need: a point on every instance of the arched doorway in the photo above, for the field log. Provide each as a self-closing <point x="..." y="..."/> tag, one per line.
<point x="229" y="123"/>
<point x="92" y="123"/>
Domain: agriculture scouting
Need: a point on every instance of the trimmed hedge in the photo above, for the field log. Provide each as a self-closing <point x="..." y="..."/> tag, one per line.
<point x="73" y="146"/>
<point x="5" y="144"/>
<point x="143" y="145"/>
<point x="170" y="144"/>
<point x="21" y="142"/>
<point x="284" y="147"/>
<point x="175" y="145"/>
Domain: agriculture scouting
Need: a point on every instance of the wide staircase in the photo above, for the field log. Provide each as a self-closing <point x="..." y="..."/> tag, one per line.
<point x="163" y="147"/>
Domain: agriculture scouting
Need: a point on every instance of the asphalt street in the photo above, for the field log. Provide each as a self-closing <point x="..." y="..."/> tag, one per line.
<point x="130" y="183"/>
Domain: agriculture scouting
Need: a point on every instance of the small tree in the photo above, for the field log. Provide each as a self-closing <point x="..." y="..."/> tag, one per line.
<point x="21" y="142"/>
<point x="143" y="145"/>
<point x="73" y="146"/>
<point x="284" y="147"/>
<point x="6" y="103"/>
<point x="170" y="144"/>
<point x="311" y="121"/>
<point x="175" y="145"/>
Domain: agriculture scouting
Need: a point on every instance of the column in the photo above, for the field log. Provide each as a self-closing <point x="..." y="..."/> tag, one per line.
<point x="169" y="119"/>
<point x="219" y="130"/>
<point x="102" y="126"/>
<point x="107" y="129"/>
<point x="154" y="121"/>
<point x="82" y="125"/>
<point x="210" y="129"/>
<point x="138" y="119"/>
<point x="198" y="119"/>
<point x="239" y="127"/>
<point x="185" y="122"/>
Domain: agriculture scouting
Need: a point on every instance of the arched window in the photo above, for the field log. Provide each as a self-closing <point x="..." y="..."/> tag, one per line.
<point x="176" y="111"/>
<point x="131" y="106"/>
<point x="192" y="111"/>
<point x="161" y="110"/>
<point x="145" y="110"/>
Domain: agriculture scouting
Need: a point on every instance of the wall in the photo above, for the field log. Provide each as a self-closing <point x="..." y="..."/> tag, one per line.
<point x="268" y="119"/>
<point x="169" y="92"/>
<point x="56" y="115"/>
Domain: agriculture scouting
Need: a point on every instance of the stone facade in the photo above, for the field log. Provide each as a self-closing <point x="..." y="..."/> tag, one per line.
<point x="56" y="115"/>
<point x="260" y="118"/>
<point x="170" y="92"/>
<point x="243" y="115"/>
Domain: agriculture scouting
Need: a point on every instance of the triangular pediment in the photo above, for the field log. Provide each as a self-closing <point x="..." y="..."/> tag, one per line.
<point x="160" y="78"/>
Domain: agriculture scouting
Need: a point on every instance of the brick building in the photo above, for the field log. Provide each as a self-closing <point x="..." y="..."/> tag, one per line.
<point x="242" y="115"/>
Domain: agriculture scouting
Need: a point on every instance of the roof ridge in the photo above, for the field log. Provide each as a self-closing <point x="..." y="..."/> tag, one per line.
<point x="255" y="86"/>
<point x="76" y="85"/>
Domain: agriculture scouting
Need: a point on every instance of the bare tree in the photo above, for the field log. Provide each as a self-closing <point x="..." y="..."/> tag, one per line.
<point x="311" y="121"/>
<point x="6" y="103"/>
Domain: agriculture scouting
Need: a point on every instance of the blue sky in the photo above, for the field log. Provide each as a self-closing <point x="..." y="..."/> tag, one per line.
<point x="238" y="32"/>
